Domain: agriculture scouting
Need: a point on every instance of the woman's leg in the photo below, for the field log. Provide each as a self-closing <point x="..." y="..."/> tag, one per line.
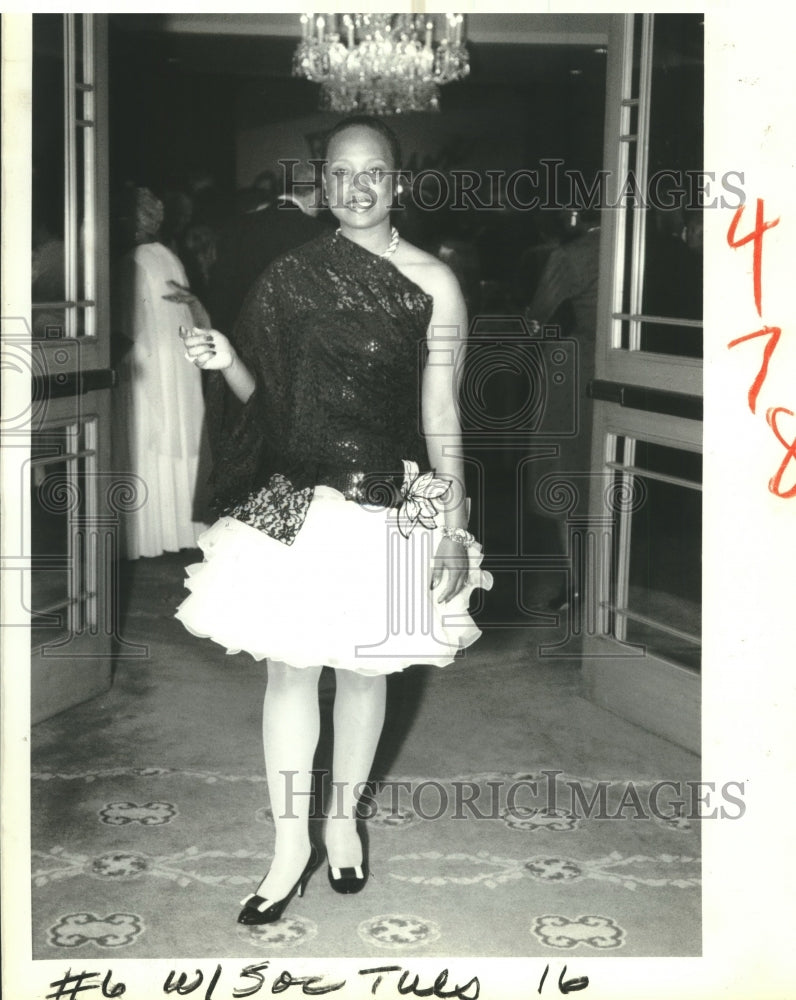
<point x="291" y="725"/>
<point x="358" y="720"/>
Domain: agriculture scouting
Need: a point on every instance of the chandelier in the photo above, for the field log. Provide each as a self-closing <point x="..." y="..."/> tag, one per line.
<point x="381" y="64"/>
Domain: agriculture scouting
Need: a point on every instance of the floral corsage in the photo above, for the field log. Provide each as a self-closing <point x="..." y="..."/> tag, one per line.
<point x="419" y="494"/>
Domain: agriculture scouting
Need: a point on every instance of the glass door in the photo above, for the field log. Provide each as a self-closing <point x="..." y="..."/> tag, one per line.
<point x="70" y="503"/>
<point x="641" y="612"/>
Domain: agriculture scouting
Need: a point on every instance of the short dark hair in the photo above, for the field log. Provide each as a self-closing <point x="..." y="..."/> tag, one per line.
<point x="376" y="125"/>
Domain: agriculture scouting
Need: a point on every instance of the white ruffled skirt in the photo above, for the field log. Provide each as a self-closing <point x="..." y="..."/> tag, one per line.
<point x="351" y="591"/>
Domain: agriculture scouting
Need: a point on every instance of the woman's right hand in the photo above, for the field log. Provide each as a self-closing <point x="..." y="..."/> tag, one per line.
<point x="208" y="349"/>
<point x="183" y="295"/>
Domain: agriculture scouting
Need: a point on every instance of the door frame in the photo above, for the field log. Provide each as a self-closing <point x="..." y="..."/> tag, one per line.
<point x="640" y="394"/>
<point x="63" y="381"/>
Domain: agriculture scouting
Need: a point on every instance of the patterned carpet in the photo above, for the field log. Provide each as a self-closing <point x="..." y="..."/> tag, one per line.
<point x="150" y="823"/>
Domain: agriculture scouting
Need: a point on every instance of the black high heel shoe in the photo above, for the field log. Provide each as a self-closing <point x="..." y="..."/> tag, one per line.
<point x="257" y="910"/>
<point x="347" y="881"/>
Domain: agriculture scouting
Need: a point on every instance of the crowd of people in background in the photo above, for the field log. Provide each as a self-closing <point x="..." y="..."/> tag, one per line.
<point x="541" y="266"/>
<point x="498" y="255"/>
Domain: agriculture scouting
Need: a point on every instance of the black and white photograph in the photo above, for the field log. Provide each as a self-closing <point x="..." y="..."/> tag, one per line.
<point x="398" y="475"/>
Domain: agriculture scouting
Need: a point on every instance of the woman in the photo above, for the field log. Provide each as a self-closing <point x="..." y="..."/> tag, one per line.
<point x="327" y="466"/>
<point x="160" y="413"/>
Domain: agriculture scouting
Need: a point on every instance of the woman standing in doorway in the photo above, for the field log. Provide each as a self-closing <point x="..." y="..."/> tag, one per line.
<point x="159" y="412"/>
<point x="343" y="538"/>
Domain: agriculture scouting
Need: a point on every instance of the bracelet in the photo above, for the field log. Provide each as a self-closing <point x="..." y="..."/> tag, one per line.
<point x="460" y="535"/>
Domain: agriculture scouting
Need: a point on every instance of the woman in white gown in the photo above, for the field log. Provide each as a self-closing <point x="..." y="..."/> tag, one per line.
<point x="160" y="408"/>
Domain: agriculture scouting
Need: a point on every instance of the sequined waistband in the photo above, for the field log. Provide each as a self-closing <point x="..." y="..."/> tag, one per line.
<point x="372" y="489"/>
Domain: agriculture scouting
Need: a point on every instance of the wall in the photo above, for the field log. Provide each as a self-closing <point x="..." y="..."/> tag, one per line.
<point x="475" y="140"/>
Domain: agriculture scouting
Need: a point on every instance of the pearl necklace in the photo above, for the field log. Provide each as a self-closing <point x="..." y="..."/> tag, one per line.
<point x="395" y="239"/>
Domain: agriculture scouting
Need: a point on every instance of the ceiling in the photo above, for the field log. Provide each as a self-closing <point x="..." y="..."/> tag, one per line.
<point x="518" y="50"/>
<point x="517" y="29"/>
<point x="179" y="76"/>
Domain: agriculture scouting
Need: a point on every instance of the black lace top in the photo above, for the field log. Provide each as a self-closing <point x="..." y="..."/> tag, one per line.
<point x="335" y="337"/>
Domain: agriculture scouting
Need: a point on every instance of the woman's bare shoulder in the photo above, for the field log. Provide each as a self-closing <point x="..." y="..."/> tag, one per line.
<point x="426" y="270"/>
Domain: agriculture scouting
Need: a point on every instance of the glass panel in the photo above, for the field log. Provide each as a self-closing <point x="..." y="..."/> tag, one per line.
<point x="48" y="258"/>
<point x="673" y="243"/>
<point x="63" y="167"/>
<point x="628" y="206"/>
<point x="633" y="126"/>
<point x="79" y="21"/>
<point x="627" y="268"/>
<point x="663" y="606"/>
<point x="59" y="505"/>
<point x="84" y="168"/>
<point x="671" y="338"/>
<point x="668" y="461"/>
<point x="638" y="28"/>
<point x="79" y="319"/>
<point x="625" y="338"/>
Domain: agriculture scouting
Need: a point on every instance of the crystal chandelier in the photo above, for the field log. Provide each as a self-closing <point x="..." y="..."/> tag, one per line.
<point x="381" y="64"/>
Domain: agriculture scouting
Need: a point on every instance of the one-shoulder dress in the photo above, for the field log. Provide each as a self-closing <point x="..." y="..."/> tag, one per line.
<point x="329" y="511"/>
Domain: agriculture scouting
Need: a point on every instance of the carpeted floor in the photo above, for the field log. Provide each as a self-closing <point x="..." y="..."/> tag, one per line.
<point x="513" y="819"/>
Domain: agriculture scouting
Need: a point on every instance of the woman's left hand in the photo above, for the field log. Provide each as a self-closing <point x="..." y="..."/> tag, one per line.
<point x="451" y="556"/>
<point x="208" y="349"/>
